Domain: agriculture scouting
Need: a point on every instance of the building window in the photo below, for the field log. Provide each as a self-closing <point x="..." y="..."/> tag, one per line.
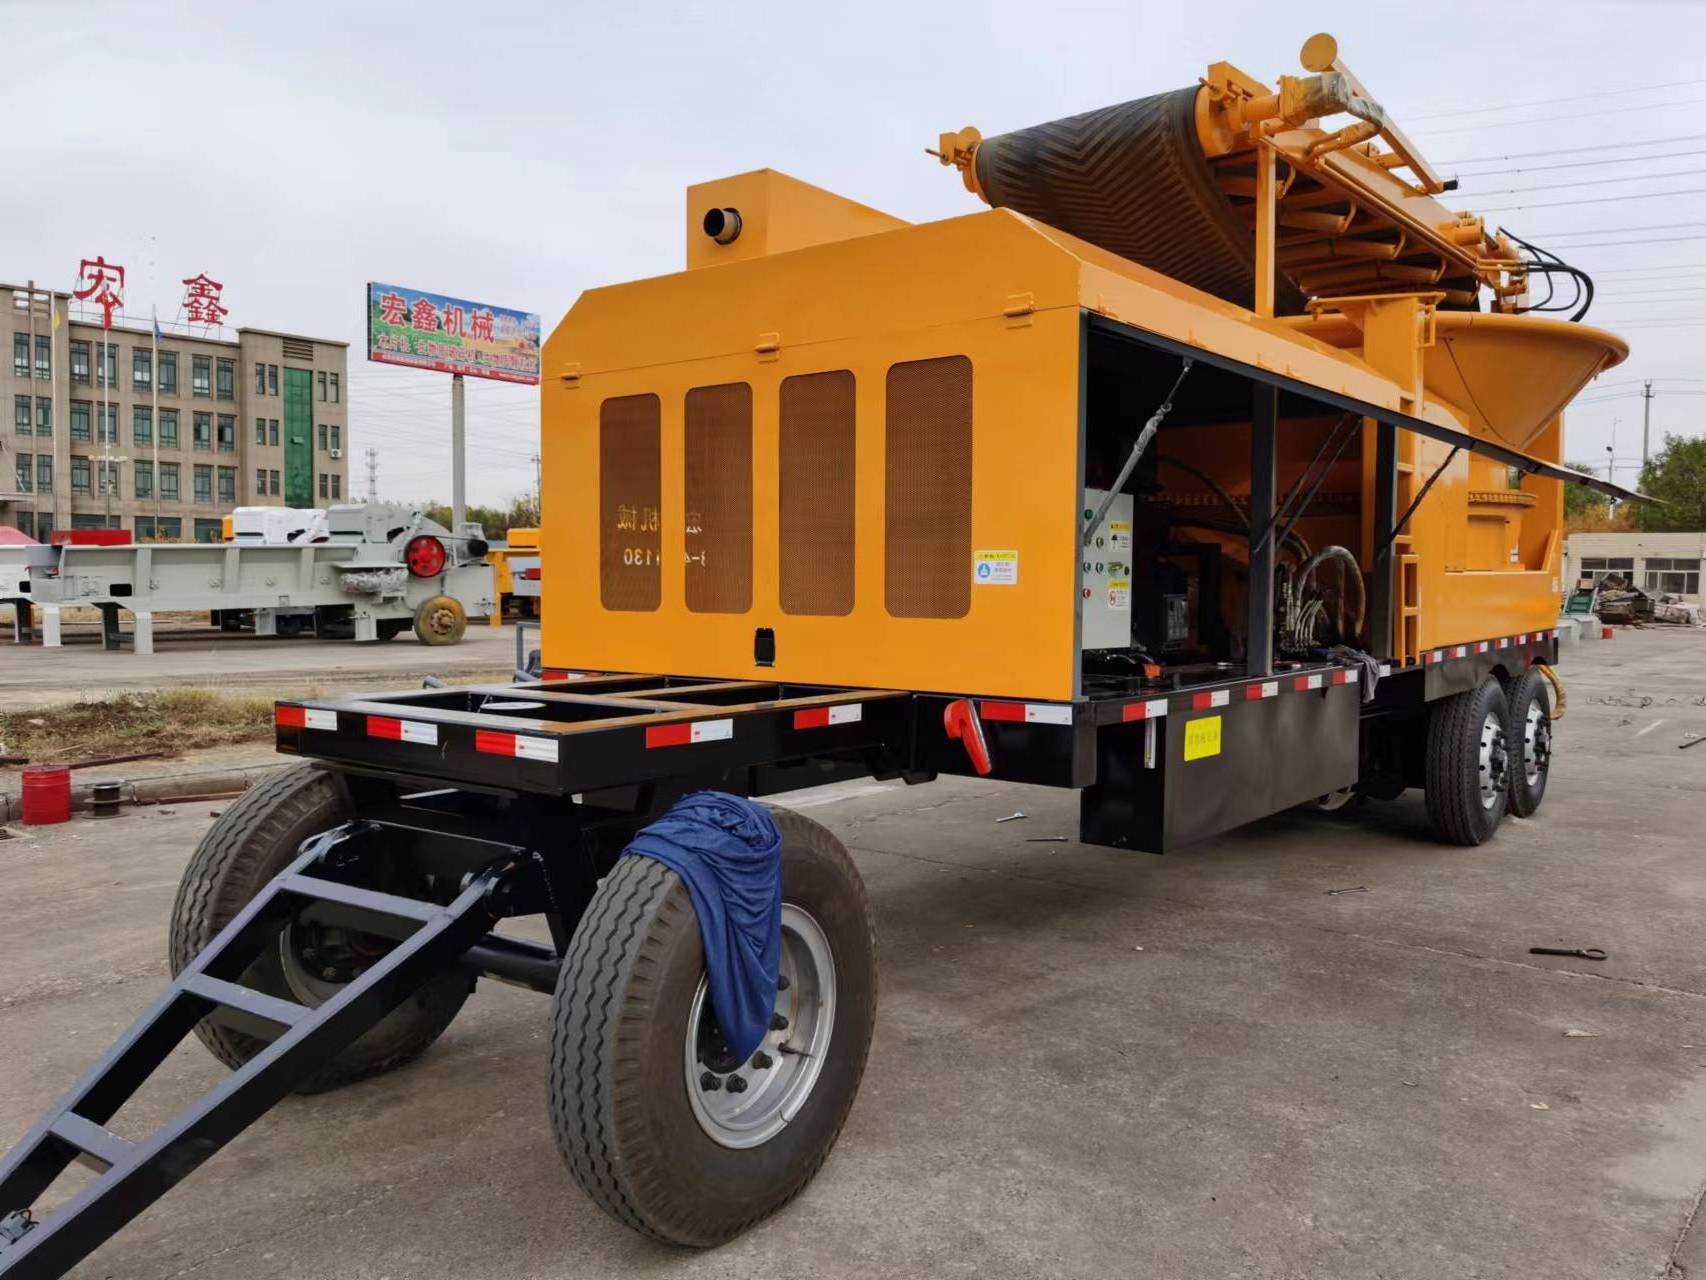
<point x="260" y="482"/>
<point x="169" y="481"/>
<point x="272" y="430"/>
<point x="325" y="486"/>
<point x="109" y="478"/>
<point x="80" y="477"/>
<point x="80" y="420"/>
<point x="260" y="378"/>
<point x="272" y="379"/>
<point x="209" y="530"/>
<point x="334" y="378"/>
<point x="322" y="386"/>
<point x="201" y="376"/>
<point x="44" y="475"/>
<point x="1673" y="577"/>
<point x="44" y="357"/>
<point x="226" y="387"/>
<point x="141" y="369"/>
<point x="106" y="364"/>
<point x="26" y="472"/>
<point x="168" y="428"/>
<point x="272" y="484"/>
<point x="20" y="355"/>
<point x="21" y="414"/>
<point x="323" y="445"/>
<point x="27" y="524"/>
<point x="227" y="433"/>
<point x="165" y="529"/>
<point x="168" y="373"/>
<point x="79" y="360"/>
<point x="337" y="486"/>
<point x="44" y="416"/>
<point x="228" y="484"/>
<point x="203" y="483"/>
<point x="141" y="424"/>
<point x="1597" y="567"/>
<point x="260" y="430"/>
<point x="337" y="436"/>
<point x="144" y="473"/>
<point x="106" y="424"/>
<point x="201" y="431"/>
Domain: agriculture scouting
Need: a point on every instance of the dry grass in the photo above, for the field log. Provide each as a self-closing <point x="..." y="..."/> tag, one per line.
<point x="125" y="724"/>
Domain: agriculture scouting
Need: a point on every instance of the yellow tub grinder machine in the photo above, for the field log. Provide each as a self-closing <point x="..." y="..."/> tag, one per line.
<point x="1211" y="470"/>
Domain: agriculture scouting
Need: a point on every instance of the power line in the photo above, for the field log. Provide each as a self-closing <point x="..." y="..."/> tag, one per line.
<point x="1596" y="231"/>
<point x="1571" y="151"/>
<point x="1580" y="115"/>
<point x="1546" y="102"/>
<point x="1610" y="244"/>
<point x="1598" y="182"/>
<point x="1580" y="164"/>
<point x="1565" y="204"/>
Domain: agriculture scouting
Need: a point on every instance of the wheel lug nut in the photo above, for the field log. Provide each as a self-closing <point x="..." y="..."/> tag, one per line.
<point x="781" y="982"/>
<point x="710" y="1083"/>
<point x="778" y="1022"/>
<point x="763" y="1061"/>
<point x="329" y="974"/>
<point x="736" y="1084"/>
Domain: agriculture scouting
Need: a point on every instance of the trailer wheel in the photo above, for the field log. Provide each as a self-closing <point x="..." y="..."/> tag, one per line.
<point x="256" y="838"/>
<point x="1531" y="741"/>
<point x="440" y="620"/>
<point x="1467" y="762"/>
<point x="657" y="1123"/>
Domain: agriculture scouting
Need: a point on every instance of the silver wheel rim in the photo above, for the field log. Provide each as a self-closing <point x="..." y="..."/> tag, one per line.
<point x="1492" y="759"/>
<point x="779" y="1076"/>
<point x="1536" y="743"/>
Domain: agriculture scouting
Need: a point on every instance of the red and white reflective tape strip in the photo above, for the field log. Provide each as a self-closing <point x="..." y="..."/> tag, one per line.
<point x="1435" y="655"/>
<point x="1154" y="709"/>
<point x="1482" y="647"/>
<point x="1301" y="684"/>
<point x="1385" y="670"/>
<point x="1345" y="675"/>
<point x="1460" y="651"/>
<point x="494" y="743"/>
<point x="1266" y="689"/>
<point x="1503" y="642"/>
<point x="1027" y="712"/>
<point x="1211" y="698"/>
<point x="1523" y="638"/>
<point x="402" y="730"/>
<point x="304" y="718"/>
<point x="681" y="735"/>
<point x="822" y="717"/>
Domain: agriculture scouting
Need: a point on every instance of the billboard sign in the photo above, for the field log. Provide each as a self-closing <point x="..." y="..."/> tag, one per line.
<point x="451" y="335"/>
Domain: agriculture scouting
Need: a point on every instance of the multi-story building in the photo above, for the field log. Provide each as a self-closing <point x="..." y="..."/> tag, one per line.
<point x="100" y="433"/>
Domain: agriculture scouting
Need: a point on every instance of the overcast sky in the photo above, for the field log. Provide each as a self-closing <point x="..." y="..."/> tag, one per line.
<point x="518" y="153"/>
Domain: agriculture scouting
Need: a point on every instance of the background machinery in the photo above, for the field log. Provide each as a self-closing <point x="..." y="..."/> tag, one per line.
<point x="1212" y="471"/>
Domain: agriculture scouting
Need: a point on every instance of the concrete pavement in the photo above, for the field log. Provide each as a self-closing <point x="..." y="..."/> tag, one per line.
<point x="1088" y="1063"/>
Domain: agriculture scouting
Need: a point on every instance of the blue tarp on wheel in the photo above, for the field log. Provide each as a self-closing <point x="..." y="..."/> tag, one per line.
<point x="730" y="854"/>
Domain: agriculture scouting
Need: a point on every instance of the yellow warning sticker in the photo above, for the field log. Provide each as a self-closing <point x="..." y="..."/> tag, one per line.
<point x="1202" y="738"/>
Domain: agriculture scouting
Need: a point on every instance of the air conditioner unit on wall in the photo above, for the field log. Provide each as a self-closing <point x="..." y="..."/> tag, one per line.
<point x="337" y="453"/>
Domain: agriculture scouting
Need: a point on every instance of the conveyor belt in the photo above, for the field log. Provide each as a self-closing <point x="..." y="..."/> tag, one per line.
<point x="1132" y="179"/>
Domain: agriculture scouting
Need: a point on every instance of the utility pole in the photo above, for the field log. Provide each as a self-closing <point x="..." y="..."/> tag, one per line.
<point x="458" y="460"/>
<point x="372" y="474"/>
<point x="538" y="488"/>
<point x="1646" y="420"/>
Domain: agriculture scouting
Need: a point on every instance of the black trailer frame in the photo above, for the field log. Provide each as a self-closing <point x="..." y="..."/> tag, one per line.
<point x="510" y="800"/>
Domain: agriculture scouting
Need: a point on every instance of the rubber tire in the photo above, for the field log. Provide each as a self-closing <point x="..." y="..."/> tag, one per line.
<point x="1453" y="782"/>
<point x="1524" y="690"/>
<point x="619" y="1018"/>
<point x="256" y="837"/>
<point x="458" y="625"/>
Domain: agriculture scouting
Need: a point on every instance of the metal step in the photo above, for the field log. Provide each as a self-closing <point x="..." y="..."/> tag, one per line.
<point x="431" y="939"/>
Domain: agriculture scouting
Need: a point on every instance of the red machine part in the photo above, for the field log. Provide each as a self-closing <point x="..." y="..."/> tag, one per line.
<point x="960" y="721"/>
<point x="425" y="556"/>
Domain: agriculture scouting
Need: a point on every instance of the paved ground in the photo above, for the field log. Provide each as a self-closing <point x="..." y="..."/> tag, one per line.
<point x="31" y="676"/>
<point x="1088" y="1063"/>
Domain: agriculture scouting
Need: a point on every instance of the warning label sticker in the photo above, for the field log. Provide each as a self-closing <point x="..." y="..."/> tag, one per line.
<point x="1202" y="738"/>
<point x="995" y="568"/>
<point x="1119" y="535"/>
<point x="1119" y="593"/>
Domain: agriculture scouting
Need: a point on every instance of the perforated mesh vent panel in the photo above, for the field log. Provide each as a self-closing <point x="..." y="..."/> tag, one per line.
<point x="630" y="551"/>
<point x="927" y="573"/>
<point x="718" y="473"/>
<point x="817" y="449"/>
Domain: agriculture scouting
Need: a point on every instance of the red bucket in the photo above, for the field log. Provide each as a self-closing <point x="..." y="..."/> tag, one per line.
<point x="47" y="795"/>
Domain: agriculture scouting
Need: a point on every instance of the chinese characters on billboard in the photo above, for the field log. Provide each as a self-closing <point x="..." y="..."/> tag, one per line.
<point x="451" y="335"/>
